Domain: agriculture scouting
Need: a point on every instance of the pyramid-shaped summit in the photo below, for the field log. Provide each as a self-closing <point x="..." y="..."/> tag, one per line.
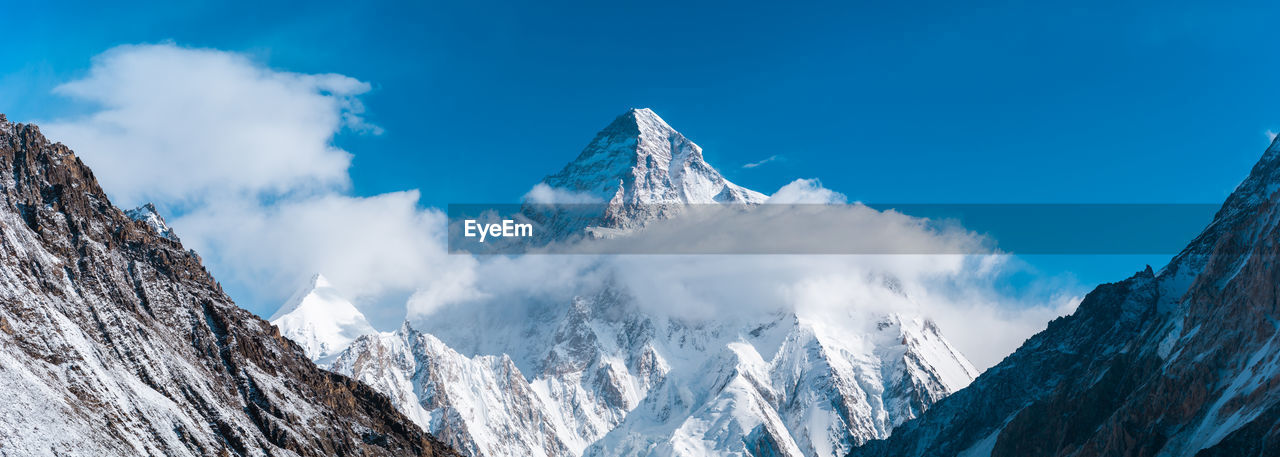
<point x="320" y="319"/>
<point x="639" y="159"/>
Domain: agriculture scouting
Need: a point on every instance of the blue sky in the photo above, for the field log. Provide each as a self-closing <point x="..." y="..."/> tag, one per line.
<point x="919" y="102"/>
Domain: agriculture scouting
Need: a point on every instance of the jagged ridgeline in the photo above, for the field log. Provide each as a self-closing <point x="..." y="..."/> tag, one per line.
<point x="114" y="340"/>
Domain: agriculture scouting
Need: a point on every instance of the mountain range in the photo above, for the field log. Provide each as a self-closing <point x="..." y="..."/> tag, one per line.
<point x="598" y="375"/>
<point x="115" y="340"/>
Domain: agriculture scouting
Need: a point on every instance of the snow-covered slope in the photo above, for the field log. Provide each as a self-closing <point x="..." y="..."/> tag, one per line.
<point x="116" y="341"/>
<point x="829" y="385"/>
<point x="321" y="320"/>
<point x="482" y="405"/>
<point x="600" y="375"/>
<point x="608" y="379"/>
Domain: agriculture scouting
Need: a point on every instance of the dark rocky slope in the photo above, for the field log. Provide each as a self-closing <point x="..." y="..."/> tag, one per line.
<point x="1181" y="363"/>
<point x="114" y="340"/>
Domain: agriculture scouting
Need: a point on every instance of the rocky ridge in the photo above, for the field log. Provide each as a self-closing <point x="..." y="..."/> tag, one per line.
<point x="1180" y="362"/>
<point x="114" y="340"/>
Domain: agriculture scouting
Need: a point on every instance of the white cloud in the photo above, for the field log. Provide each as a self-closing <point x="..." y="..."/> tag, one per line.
<point x="178" y="124"/>
<point x="367" y="246"/>
<point x="244" y="155"/>
<point x="806" y="191"/>
<point x="762" y="162"/>
<point x="542" y="194"/>
<point x="956" y="290"/>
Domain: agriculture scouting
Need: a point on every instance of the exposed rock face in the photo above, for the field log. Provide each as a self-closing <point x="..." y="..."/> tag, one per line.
<point x="1184" y="362"/>
<point x="114" y="340"/>
<point x="147" y="214"/>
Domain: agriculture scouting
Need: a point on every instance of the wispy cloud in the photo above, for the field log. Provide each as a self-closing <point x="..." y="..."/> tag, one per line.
<point x="1271" y="135"/>
<point x="246" y="156"/>
<point x="771" y="158"/>
<point x="845" y="292"/>
<point x="180" y="124"/>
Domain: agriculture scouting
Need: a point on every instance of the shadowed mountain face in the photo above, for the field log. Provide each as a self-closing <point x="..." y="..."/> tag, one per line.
<point x="1185" y="362"/>
<point x="114" y="340"/>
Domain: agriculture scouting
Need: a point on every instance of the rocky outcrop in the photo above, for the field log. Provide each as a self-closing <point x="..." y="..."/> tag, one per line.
<point x="114" y="340"/>
<point x="149" y="215"/>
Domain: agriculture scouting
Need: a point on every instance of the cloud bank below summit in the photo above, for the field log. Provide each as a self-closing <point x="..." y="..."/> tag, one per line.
<point x="243" y="155"/>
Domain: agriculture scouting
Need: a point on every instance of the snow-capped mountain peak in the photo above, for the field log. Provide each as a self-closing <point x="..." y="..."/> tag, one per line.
<point x="645" y="169"/>
<point x="602" y="374"/>
<point x="320" y="319"/>
<point x="147" y="214"/>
